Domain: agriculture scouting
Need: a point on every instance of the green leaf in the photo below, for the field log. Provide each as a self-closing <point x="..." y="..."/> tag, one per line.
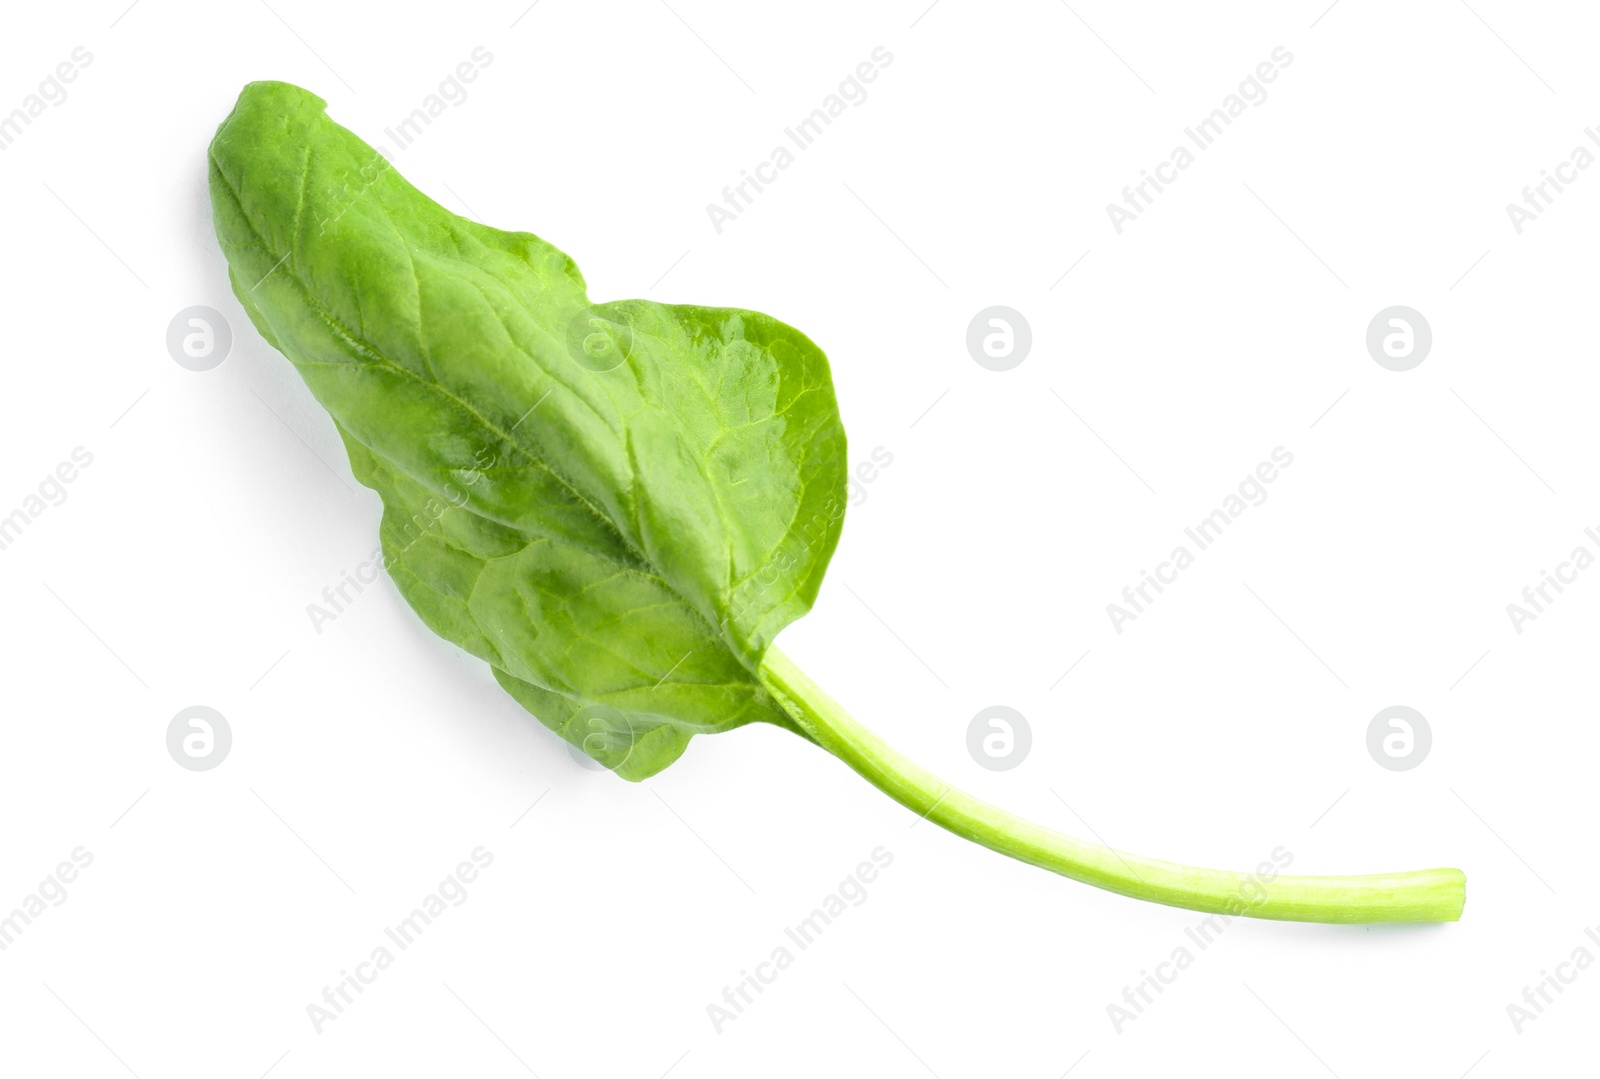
<point x="616" y="505"/>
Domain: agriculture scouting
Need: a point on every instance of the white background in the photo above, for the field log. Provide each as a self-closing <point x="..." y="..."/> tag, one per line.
<point x="1228" y="720"/>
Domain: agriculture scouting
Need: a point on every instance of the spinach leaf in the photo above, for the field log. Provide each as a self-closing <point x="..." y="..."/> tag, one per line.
<point x="616" y="505"/>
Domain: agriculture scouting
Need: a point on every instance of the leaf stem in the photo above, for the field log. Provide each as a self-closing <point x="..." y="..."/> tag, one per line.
<point x="1426" y="895"/>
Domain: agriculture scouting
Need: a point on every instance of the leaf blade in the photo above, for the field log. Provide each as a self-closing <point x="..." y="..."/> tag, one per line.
<point x="617" y="506"/>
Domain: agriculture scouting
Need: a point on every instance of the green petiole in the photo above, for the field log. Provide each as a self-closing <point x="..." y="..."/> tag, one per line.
<point x="1424" y="895"/>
